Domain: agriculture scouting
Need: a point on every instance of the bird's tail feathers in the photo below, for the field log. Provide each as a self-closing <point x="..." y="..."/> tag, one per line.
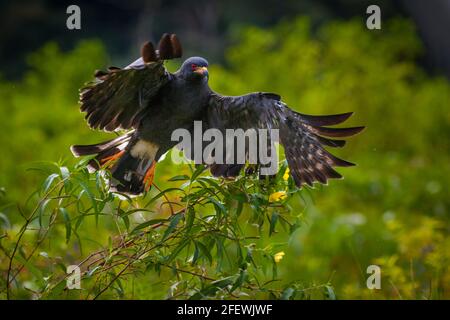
<point x="131" y="175"/>
<point x="106" y="152"/>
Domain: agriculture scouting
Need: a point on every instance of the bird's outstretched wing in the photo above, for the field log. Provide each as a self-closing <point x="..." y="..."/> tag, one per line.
<point x="117" y="98"/>
<point x="302" y="136"/>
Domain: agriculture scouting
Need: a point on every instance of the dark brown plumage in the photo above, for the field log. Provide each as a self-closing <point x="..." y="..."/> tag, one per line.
<point x="148" y="52"/>
<point x="302" y="136"/>
<point x="145" y="97"/>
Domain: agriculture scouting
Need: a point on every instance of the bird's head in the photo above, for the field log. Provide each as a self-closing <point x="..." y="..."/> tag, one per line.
<point x="195" y="68"/>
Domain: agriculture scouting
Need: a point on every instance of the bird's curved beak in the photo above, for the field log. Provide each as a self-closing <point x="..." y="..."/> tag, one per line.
<point x="203" y="71"/>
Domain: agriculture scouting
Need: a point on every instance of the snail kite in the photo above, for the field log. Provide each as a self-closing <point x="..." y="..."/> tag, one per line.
<point x="150" y="102"/>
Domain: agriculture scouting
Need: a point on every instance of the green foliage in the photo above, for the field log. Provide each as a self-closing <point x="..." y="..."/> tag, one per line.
<point x="200" y="237"/>
<point x="402" y="156"/>
<point x="39" y="115"/>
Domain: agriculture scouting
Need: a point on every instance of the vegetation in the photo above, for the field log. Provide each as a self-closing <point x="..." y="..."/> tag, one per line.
<point x="194" y="236"/>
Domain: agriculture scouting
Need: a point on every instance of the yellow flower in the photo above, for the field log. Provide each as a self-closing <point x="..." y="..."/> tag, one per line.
<point x="278" y="256"/>
<point x="277" y="196"/>
<point x="286" y="175"/>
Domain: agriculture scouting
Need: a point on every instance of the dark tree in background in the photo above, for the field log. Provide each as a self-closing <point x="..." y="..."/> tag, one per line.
<point x="433" y="24"/>
<point x="205" y="26"/>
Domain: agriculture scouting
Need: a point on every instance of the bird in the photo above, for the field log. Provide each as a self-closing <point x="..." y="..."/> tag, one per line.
<point x="148" y="102"/>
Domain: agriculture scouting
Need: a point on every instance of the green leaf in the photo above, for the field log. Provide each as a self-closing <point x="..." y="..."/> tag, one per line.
<point x="213" y="288"/>
<point x="196" y="253"/>
<point x="220" y="208"/>
<point x="161" y="194"/>
<point x="205" y="251"/>
<point x="190" y="217"/>
<point x="281" y="171"/>
<point x="213" y="183"/>
<point x="92" y="271"/>
<point x="128" y="212"/>
<point x="243" y="275"/>
<point x="44" y="166"/>
<point x="65" y="173"/>
<point x="4" y="221"/>
<point x="148" y="223"/>
<point x="177" y="250"/>
<point x="293" y="227"/>
<point x="239" y="208"/>
<point x="273" y="222"/>
<point x="287" y="293"/>
<point x="126" y="220"/>
<point x="173" y="224"/>
<point x="42" y="209"/>
<point x="48" y="182"/>
<point x="179" y="178"/>
<point x="67" y="223"/>
<point x="329" y="293"/>
<point x="85" y="188"/>
<point x="222" y="283"/>
<point x="198" y="171"/>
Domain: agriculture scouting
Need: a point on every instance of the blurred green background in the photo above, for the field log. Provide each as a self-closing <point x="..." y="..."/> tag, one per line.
<point x="391" y="210"/>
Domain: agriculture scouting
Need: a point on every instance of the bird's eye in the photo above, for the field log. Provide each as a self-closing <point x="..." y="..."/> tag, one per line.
<point x="194" y="66"/>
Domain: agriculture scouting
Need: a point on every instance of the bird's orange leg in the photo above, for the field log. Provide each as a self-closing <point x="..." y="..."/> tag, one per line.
<point x="149" y="175"/>
<point x="109" y="159"/>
